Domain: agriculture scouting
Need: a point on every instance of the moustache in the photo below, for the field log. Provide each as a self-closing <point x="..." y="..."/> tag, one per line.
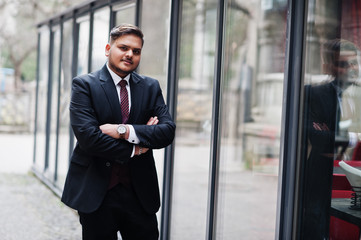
<point x="127" y="60"/>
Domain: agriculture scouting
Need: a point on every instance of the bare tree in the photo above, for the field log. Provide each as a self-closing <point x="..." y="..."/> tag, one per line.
<point x="18" y="32"/>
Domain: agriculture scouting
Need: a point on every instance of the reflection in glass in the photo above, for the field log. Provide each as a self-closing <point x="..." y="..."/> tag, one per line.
<point x="332" y="113"/>
<point x="65" y="88"/>
<point x="42" y="99"/>
<point x="251" y="119"/>
<point x="194" y="111"/>
<point x="100" y="37"/>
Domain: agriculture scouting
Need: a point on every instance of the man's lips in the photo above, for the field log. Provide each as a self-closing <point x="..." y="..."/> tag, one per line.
<point x="127" y="61"/>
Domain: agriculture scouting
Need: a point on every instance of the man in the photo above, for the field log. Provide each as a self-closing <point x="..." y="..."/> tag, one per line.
<point x="118" y="117"/>
<point x="328" y="135"/>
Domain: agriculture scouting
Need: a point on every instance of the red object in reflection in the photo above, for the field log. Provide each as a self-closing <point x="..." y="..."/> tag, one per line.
<point x="341" y="188"/>
<point x="356" y="155"/>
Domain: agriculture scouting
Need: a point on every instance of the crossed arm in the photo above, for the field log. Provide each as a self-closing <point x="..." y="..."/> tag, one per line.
<point x="111" y="130"/>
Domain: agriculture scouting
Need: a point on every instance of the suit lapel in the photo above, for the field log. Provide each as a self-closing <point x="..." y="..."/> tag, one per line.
<point x="137" y="92"/>
<point x="108" y="86"/>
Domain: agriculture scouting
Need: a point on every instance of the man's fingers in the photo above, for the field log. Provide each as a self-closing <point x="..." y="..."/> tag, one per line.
<point x="140" y="150"/>
<point x="104" y="127"/>
<point x="153" y="121"/>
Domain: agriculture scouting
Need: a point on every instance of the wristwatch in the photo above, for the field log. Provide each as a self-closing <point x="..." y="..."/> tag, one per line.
<point x="122" y="130"/>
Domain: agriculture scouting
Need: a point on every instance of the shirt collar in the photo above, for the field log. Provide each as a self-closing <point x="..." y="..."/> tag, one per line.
<point x="116" y="78"/>
<point x="337" y="88"/>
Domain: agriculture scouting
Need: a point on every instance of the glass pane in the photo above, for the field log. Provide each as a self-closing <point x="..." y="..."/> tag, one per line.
<point x="251" y="119"/>
<point x="125" y="13"/>
<point x="156" y="45"/>
<point x="54" y="104"/>
<point x="65" y="88"/>
<point x="194" y="111"/>
<point x="83" y="47"/>
<point x="332" y="122"/>
<point x="100" y="37"/>
<point x="42" y="99"/>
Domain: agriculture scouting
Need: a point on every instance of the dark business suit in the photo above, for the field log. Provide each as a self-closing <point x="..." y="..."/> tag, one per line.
<point x="94" y="102"/>
<point x="321" y="112"/>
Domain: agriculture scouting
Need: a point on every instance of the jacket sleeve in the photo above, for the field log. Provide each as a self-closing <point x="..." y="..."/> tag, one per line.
<point x="162" y="134"/>
<point x="85" y="125"/>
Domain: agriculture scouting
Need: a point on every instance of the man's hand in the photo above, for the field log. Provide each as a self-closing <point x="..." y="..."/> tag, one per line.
<point x="110" y="130"/>
<point x="153" y="121"/>
<point x="140" y="150"/>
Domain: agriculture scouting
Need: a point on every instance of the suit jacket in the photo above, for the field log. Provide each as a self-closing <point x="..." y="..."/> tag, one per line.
<point x="321" y="107"/>
<point x="323" y="110"/>
<point x="94" y="101"/>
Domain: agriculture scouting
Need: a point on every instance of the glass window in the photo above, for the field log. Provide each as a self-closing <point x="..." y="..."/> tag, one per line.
<point x="332" y="121"/>
<point x="54" y="102"/>
<point x="83" y="45"/>
<point x="125" y="13"/>
<point x="156" y="45"/>
<point x="42" y="98"/>
<point x="64" y="101"/>
<point x="251" y="109"/>
<point x="100" y="37"/>
<point x="194" y="111"/>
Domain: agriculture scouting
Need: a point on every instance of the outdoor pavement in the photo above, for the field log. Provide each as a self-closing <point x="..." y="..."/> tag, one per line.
<point x="28" y="209"/>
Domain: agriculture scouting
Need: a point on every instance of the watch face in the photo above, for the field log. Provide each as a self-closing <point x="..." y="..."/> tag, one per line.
<point x="122" y="129"/>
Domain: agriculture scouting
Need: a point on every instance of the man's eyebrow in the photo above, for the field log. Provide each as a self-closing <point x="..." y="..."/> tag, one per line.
<point x="124" y="45"/>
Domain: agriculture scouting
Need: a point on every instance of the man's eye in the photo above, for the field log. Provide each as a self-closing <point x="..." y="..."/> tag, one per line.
<point x="137" y="52"/>
<point x="124" y="48"/>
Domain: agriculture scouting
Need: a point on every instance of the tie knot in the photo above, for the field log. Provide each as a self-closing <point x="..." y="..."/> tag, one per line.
<point x="123" y="83"/>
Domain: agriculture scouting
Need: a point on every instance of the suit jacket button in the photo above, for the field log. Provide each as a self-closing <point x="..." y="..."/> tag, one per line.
<point x="107" y="164"/>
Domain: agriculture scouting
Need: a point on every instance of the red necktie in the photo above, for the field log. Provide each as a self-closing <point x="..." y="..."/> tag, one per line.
<point x="124" y="101"/>
<point x="120" y="172"/>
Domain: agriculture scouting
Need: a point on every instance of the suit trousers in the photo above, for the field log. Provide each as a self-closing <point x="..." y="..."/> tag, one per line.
<point x="120" y="211"/>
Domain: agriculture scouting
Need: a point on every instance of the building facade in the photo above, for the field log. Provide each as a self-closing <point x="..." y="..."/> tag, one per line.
<point x="235" y="75"/>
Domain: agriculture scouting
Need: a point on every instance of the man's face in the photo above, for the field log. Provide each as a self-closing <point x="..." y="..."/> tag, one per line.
<point x="346" y="67"/>
<point x="124" y="54"/>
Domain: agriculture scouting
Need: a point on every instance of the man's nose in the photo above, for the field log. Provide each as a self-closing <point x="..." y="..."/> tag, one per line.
<point x="129" y="53"/>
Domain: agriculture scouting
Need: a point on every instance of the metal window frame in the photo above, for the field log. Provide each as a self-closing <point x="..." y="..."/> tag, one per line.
<point x="58" y="99"/>
<point x="172" y="91"/>
<point x="49" y="96"/>
<point x="211" y="227"/>
<point x="291" y="134"/>
<point x="36" y="95"/>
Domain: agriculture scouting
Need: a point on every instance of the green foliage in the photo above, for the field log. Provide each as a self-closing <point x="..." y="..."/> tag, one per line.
<point x="29" y="67"/>
<point x="6" y="63"/>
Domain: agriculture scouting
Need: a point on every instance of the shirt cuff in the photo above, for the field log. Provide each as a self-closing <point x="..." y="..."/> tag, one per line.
<point x="352" y="139"/>
<point x="133" y="138"/>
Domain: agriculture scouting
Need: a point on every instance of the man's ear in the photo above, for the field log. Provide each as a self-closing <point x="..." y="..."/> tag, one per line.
<point x="107" y="49"/>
